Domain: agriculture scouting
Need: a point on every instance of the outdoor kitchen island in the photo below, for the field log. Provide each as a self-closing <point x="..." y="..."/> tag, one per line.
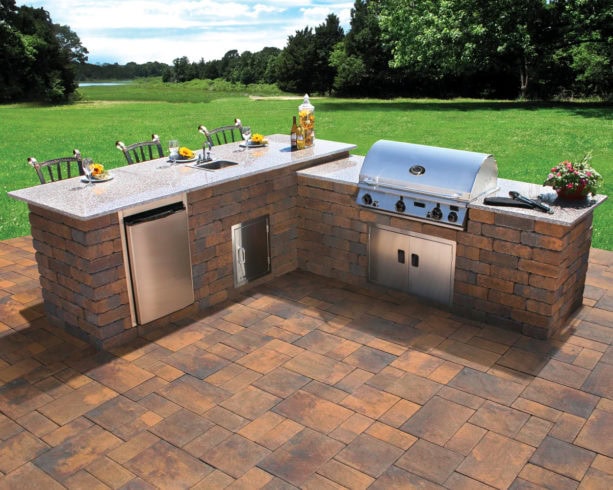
<point x="510" y="267"/>
<point x="81" y="241"/>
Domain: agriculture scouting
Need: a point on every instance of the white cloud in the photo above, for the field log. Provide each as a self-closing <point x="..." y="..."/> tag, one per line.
<point x="156" y="30"/>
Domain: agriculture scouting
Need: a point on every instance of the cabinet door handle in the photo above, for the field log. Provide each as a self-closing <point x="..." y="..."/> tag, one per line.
<point x="415" y="260"/>
<point x="240" y="255"/>
<point x="400" y="256"/>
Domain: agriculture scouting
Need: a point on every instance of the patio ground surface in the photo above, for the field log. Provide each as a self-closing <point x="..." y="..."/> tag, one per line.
<point x="306" y="383"/>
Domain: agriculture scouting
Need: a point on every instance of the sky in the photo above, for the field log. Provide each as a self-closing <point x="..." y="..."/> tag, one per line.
<point x="120" y="31"/>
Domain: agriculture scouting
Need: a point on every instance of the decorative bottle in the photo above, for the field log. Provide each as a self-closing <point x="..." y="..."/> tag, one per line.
<point x="300" y="138"/>
<point x="306" y="113"/>
<point x="294" y="135"/>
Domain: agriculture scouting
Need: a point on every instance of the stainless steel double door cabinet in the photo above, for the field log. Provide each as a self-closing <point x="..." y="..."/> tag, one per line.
<point x="419" y="264"/>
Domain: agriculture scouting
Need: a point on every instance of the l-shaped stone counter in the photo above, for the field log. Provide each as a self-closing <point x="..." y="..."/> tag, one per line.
<point x="513" y="268"/>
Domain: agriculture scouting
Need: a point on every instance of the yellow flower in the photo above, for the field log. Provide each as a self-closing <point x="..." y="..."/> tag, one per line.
<point x="185" y="152"/>
<point x="307" y="119"/>
<point x="97" y="169"/>
<point x="257" y="139"/>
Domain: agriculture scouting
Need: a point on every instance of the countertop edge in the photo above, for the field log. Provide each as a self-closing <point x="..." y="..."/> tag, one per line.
<point x="565" y="213"/>
<point x="316" y="155"/>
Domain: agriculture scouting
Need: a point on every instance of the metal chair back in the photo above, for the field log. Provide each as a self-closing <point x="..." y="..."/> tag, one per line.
<point x="143" y="151"/>
<point x="58" y="168"/>
<point x="222" y="135"/>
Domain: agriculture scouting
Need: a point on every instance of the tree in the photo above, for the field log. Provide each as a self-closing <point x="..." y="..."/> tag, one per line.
<point x="37" y="57"/>
<point x="295" y="63"/>
<point x="582" y="42"/>
<point x="13" y="56"/>
<point x="326" y="37"/>
<point x="254" y="67"/>
<point x="227" y="63"/>
<point x="350" y="71"/>
<point x="362" y="61"/>
<point x="463" y="37"/>
<point x="263" y="61"/>
<point x="208" y="69"/>
<point x="303" y="66"/>
<point x="182" y="70"/>
<point x="244" y="70"/>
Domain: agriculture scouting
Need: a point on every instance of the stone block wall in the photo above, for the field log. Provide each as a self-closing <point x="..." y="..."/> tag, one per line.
<point x="514" y="272"/>
<point x="82" y="276"/>
<point x="212" y="213"/>
<point x="81" y="263"/>
<point x="519" y="272"/>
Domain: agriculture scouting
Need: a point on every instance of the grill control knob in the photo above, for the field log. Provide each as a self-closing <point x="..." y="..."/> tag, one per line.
<point x="367" y="199"/>
<point x="401" y="206"/>
<point x="453" y="217"/>
<point x="437" y="214"/>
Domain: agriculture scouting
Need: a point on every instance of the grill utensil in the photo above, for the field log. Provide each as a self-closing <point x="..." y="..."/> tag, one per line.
<point x="518" y="197"/>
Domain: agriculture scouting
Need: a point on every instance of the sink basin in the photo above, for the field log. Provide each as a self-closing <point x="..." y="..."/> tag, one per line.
<point x="216" y="164"/>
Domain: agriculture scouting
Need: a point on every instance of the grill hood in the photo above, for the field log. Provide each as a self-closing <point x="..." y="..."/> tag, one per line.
<point x="443" y="172"/>
<point x="425" y="183"/>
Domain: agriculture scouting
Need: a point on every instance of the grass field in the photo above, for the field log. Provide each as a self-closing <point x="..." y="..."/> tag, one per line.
<point x="525" y="138"/>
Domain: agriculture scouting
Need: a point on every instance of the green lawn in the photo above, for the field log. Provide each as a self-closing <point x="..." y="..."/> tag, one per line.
<point x="525" y="138"/>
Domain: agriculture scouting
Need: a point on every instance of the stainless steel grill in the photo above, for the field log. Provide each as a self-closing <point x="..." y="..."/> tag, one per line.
<point x="425" y="183"/>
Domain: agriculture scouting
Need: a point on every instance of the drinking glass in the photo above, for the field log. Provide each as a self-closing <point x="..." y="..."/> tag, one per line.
<point x="173" y="146"/>
<point x="87" y="169"/>
<point x="246" y="131"/>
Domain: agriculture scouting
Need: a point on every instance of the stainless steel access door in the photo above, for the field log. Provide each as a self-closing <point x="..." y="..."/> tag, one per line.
<point x="418" y="264"/>
<point x="432" y="268"/>
<point x="160" y="262"/>
<point x="251" y="247"/>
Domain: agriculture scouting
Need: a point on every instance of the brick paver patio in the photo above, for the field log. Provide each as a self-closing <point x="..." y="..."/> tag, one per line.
<point x="306" y="383"/>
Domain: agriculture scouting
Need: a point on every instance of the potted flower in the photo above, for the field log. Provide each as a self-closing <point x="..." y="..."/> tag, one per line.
<point x="98" y="171"/>
<point x="574" y="180"/>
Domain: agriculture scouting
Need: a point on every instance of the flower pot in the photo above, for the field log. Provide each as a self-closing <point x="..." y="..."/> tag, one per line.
<point x="573" y="194"/>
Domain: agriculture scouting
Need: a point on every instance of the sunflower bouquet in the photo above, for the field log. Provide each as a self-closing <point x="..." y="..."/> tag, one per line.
<point x="98" y="171"/>
<point x="185" y="153"/>
<point x="258" y="139"/>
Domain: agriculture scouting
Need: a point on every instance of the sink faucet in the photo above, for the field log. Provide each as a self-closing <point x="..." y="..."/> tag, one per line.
<point x="206" y="154"/>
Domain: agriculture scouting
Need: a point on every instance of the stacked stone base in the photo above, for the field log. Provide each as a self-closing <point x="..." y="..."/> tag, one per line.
<point x="512" y="272"/>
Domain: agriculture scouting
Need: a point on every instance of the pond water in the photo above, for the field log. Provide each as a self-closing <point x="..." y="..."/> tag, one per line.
<point x="102" y="84"/>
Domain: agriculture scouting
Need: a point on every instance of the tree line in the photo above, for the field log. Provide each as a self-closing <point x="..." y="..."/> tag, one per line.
<point x="438" y="48"/>
<point x="414" y="48"/>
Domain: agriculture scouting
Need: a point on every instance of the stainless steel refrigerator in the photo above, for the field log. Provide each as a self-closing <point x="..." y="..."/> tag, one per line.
<point x="160" y="261"/>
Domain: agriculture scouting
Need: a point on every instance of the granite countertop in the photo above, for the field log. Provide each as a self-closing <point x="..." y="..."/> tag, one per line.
<point x="146" y="182"/>
<point x="344" y="171"/>
<point x="566" y="213"/>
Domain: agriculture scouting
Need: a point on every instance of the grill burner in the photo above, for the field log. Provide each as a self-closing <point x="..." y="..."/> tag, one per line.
<point x="426" y="183"/>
